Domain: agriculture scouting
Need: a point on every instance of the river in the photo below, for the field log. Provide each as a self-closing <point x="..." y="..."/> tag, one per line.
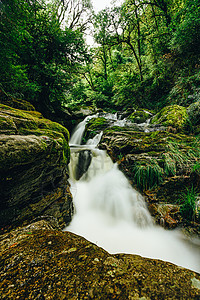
<point x="114" y="216"/>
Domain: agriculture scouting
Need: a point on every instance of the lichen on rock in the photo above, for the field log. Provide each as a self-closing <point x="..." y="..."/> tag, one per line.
<point x="40" y="262"/>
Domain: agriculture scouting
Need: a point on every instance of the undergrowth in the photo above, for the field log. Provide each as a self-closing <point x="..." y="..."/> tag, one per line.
<point x="178" y="159"/>
<point x="188" y="204"/>
<point x="148" y="174"/>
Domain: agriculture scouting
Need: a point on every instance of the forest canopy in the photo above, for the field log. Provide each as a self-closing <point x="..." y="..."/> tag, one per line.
<point x="146" y="53"/>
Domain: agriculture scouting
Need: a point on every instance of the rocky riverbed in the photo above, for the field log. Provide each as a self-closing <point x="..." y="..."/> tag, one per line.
<point x="39" y="261"/>
<point x="160" y="159"/>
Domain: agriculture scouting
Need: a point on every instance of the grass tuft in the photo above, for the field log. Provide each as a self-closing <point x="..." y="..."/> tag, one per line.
<point x="148" y="174"/>
<point x="188" y="204"/>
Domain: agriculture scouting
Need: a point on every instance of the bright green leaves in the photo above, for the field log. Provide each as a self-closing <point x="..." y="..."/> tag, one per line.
<point x="38" y="56"/>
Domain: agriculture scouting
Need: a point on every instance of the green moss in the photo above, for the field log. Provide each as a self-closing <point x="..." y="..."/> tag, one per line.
<point x="139" y="116"/>
<point x="31" y="120"/>
<point x="32" y="123"/>
<point x="97" y="123"/>
<point x="175" y="116"/>
<point x="6" y="123"/>
<point x="94" y="126"/>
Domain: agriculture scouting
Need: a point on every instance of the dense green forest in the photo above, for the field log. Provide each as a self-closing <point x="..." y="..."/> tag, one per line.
<point x="146" y="53"/>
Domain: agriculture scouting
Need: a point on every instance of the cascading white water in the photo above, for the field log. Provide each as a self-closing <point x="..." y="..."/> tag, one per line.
<point x="110" y="213"/>
<point x="79" y="131"/>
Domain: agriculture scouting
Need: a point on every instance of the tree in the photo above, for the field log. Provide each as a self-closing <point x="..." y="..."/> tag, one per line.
<point x="44" y="55"/>
<point x="186" y="37"/>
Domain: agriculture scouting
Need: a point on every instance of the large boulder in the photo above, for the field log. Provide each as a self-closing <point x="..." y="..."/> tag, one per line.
<point x="159" y="164"/>
<point x="40" y="262"/>
<point x="34" y="154"/>
<point x="173" y="116"/>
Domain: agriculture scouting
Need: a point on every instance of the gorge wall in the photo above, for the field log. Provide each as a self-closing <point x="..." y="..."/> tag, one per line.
<point x="34" y="155"/>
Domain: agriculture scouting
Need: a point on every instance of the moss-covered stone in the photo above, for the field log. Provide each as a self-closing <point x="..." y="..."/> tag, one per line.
<point x="127" y="141"/>
<point x="174" y="115"/>
<point x="31" y="122"/>
<point x="34" y="153"/>
<point x="95" y="126"/>
<point x="39" y="261"/>
<point x="16" y="103"/>
<point x="139" y="116"/>
<point x="194" y="116"/>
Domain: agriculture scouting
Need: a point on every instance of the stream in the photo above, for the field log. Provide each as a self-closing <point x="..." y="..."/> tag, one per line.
<point x="113" y="215"/>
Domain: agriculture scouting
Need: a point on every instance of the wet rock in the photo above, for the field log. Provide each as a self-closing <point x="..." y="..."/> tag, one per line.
<point x="95" y="126"/>
<point x="140" y="116"/>
<point x="84" y="160"/>
<point x="167" y="215"/>
<point x="40" y="262"/>
<point x="34" y="154"/>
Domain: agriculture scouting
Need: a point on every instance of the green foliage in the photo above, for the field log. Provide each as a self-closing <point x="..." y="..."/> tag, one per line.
<point x="196" y="168"/>
<point x="99" y="100"/>
<point x="188" y="204"/>
<point x="148" y="174"/>
<point x="177" y="159"/>
<point x="38" y="58"/>
<point x="169" y="164"/>
<point x="181" y="157"/>
<point x="147" y="54"/>
<point x="186" y="88"/>
<point x="186" y="38"/>
<point x="120" y="156"/>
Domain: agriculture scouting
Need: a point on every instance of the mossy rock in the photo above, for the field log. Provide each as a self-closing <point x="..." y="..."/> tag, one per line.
<point x="127" y="141"/>
<point x="139" y="116"/>
<point x="194" y="113"/>
<point x="21" y="122"/>
<point x="95" y="126"/>
<point x="34" y="153"/>
<point x="174" y="116"/>
<point x="15" y="103"/>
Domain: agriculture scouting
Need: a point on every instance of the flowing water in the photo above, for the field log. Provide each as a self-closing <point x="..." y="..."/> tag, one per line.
<point x="111" y="214"/>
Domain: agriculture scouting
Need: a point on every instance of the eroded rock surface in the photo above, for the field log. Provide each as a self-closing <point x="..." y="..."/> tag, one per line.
<point x="41" y="262"/>
<point x="34" y="154"/>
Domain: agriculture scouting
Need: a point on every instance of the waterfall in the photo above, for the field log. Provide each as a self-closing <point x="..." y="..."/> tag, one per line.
<point x="79" y="131"/>
<point x="110" y="213"/>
